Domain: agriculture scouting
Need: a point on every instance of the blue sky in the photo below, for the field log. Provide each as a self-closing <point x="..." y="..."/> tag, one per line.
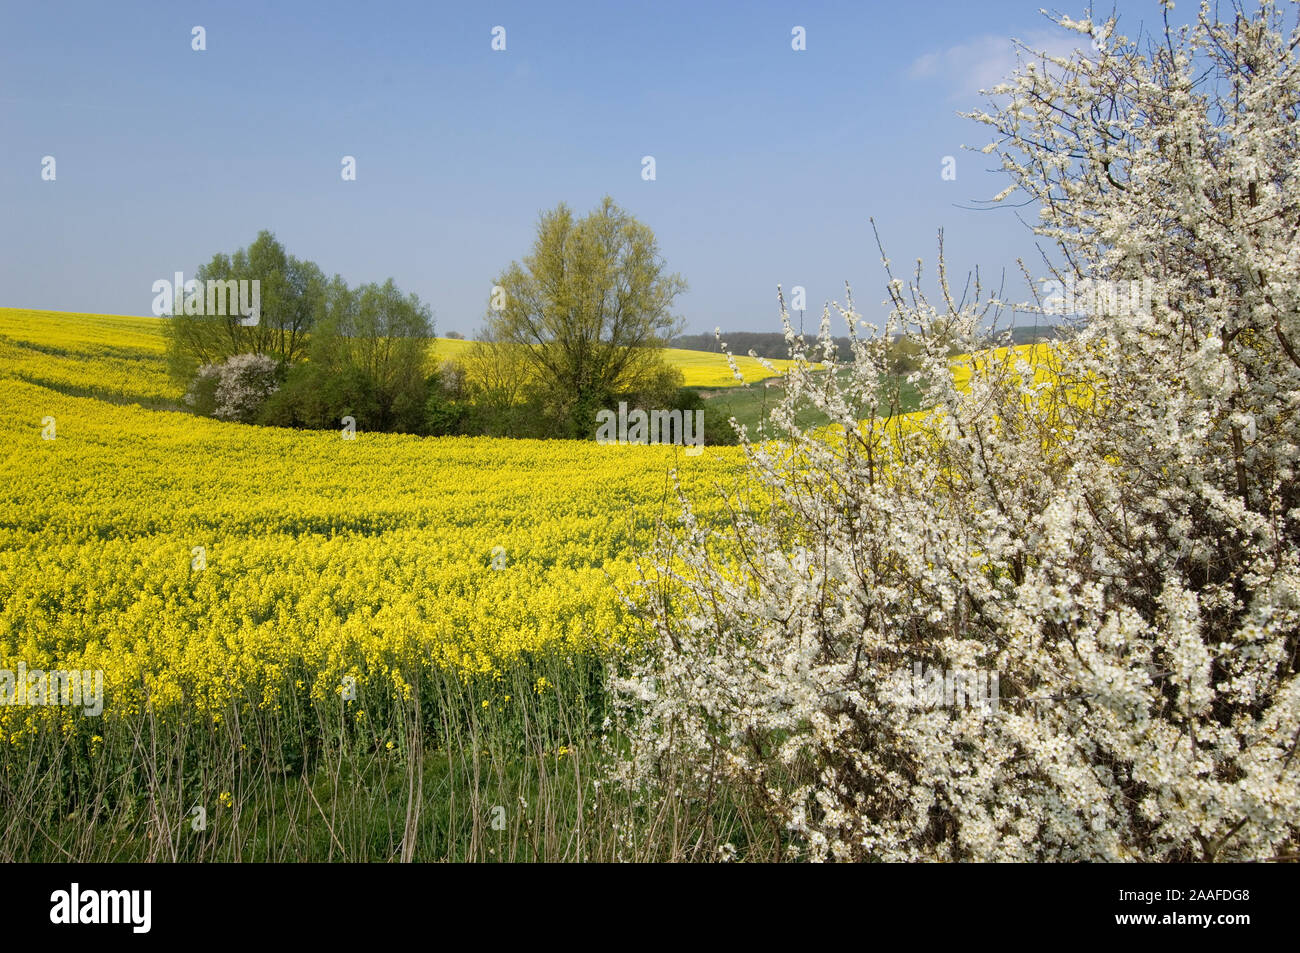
<point x="768" y="161"/>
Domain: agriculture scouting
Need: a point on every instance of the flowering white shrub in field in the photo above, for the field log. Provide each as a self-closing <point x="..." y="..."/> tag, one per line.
<point x="1110" y="524"/>
<point x="236" y="388"/>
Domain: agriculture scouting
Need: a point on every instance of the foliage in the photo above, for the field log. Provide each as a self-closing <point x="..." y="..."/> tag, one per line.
<point x="497" y="381"/>
<point x="448" y="412"/>
<point x="378" y="333"/>
<point x="589" y="309"/>
<point x="318" y="398"/>
<point x="291" y="300"/>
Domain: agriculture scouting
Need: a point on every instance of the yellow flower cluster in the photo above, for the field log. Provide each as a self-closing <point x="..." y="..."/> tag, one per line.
<point x="703" y="369"/>
<point x="204" y="562"/>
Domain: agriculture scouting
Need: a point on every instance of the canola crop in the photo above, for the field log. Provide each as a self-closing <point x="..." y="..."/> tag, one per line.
<point x="98" y="355"/>
<point x="200" y="563"/>
<point x="704" y="369"/>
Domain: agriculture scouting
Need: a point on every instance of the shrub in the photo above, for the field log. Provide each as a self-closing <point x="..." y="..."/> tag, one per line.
<point x="247" y="380"/>
<point x="1109" y="523"/>
<point x="316" y="398"/>
<point x="202" y="395"/>
<point x="447" y="409"/>
<point x="235" y="389"/>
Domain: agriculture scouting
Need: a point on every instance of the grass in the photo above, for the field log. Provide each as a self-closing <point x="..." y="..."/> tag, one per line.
<point x="751" y="404"/>
<point x="433" y="776"/>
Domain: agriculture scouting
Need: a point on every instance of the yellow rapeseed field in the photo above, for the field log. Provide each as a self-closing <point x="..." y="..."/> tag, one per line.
<point x="703" y="369"/>
<point x="204" y="562"/>
<point x="110" y="356"/>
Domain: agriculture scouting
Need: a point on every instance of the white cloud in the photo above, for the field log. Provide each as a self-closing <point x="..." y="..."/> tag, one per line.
<point x="985" y="61"/>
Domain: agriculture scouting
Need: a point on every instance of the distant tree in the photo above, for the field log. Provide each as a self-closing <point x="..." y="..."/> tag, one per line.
<point x="202" y="395"/>
<point x="496" y="379"/>
<point x="658" y="390"/>
<point x="589" y="309"/>
<point x="291" y="299"/>
<point x="317" y="398"/>
<point x="385" y="335"/>
<point x="448" y="411"/>
<point x="768" y="344"/>
<point x="904" y="355"/>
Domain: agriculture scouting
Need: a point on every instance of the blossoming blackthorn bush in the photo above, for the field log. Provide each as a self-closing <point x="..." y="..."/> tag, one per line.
<point x="1108" y="522"/>
<point x="235" y="389"/>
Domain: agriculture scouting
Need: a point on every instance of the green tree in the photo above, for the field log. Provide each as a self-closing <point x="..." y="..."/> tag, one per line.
<point x="383" y="334"/>
<point x="589" y="309"/>
<point x="497" y="375"/>
<point x="318" y="399"/>
<point x="291" y="298"/>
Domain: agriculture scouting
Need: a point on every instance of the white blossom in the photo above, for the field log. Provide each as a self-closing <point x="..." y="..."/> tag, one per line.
<point x="1110" y="524"/>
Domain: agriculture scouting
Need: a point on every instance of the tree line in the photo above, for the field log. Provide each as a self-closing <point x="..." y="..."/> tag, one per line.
<point x="576" y="326"/>
<point x="904" y="355"/>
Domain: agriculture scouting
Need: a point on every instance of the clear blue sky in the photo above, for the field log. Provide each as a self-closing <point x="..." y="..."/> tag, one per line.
<point x="769" y="161"/>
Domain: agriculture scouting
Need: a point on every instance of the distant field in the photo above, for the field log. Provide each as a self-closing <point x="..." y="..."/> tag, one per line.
<point x="702" y="369"/>
<point x="751" y="403"/>
<point x="120" y="357"/>
<point x="699" y="368"/>
<point x="112" y="357"/>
